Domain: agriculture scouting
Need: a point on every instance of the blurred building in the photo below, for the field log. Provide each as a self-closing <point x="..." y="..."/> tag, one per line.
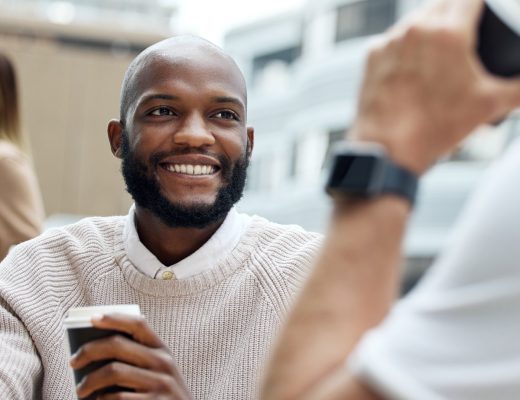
<point x="71" y="57"/>
<point x="133" y="15"/>
<point x="303" y="70"/>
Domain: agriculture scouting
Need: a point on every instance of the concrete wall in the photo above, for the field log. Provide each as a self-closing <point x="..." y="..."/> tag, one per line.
<point x="68" y="94"/>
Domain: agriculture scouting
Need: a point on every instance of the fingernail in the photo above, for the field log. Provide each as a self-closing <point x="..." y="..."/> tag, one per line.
<point x="79" y="387"/>
<point x="96" y="318"/>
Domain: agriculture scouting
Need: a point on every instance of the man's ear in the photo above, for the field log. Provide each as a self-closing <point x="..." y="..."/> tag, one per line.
<point x="115" y="137"/>
<point x="250" y="141"/>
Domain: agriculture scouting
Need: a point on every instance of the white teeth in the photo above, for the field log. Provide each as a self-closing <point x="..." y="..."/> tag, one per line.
<point x="189" y="169"/>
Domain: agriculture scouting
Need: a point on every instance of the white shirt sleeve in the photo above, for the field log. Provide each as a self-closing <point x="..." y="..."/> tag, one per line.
<point x="457" y="335"/>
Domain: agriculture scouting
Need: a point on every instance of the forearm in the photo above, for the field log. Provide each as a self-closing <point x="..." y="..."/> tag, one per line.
<point x="20" y="367"/>
<point x="418" y="106"/>
<point x="21" y="209"/>
<point x="351" y="289"/>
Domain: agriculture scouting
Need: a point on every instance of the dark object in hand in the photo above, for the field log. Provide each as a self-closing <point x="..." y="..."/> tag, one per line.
<point x="77" y="338"/>
<point x="499" y="43"/>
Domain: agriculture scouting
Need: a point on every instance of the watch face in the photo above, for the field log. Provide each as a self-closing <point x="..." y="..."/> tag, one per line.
<point x="354" y="172"/>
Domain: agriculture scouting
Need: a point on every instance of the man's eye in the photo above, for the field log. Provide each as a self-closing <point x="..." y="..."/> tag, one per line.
<point x="162" y="111"/>
<point x="230" y="115"/>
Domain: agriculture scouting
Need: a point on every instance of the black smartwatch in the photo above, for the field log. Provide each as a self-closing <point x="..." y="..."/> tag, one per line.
<point x="363" y="169"/>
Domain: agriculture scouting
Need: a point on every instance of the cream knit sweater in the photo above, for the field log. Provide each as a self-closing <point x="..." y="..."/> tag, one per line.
<point x="219" y="325"/>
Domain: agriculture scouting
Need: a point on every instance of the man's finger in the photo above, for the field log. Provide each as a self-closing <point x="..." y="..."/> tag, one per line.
<point x="125" y="376"/>
<point x="124" y="396"/>
<point x="122" y="349"/>
<point x="466" y="13"/>
<point x="135" y="326"/>
<point x="507" y="93"/>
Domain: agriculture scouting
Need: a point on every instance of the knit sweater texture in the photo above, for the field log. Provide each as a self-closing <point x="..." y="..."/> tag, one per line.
<point x="219" y="325"/>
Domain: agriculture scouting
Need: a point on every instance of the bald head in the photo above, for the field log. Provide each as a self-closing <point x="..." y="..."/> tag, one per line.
<point x="175" y="50"/>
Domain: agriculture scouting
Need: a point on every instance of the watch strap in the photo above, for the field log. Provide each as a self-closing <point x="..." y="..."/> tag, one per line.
<point x="400" y="181"/>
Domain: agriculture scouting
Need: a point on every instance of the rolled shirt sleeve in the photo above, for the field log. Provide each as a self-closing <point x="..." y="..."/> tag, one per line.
<point x="456" y="336"/>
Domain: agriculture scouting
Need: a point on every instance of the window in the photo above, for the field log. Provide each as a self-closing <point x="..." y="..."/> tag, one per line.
<point x="288" y="56"/>
<point x="293" y="162"/>
<point x="335" y="136"/>
<point x="363" y="18"/>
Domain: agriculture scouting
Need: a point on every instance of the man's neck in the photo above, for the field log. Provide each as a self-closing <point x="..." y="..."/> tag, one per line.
<point x="170" y="245"/>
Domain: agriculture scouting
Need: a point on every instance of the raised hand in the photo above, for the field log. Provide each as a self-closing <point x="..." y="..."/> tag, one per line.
<point x="425" y="88"/>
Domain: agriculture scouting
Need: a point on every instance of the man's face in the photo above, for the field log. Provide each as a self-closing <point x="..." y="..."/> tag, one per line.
<point x="185" y="146"/>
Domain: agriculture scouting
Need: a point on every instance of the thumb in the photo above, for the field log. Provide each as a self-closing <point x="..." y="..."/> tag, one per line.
<point x="506" y="92"/>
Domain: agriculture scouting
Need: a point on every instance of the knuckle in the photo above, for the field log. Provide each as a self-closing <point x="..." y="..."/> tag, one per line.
<point x="115" y="341"/>
<point x="84" y="352"/>
<point x="165" y="383"/>
<point x="166" y="363"/>
<point x="490" y="103"/>
<point x="374" y="53"/>
<point x="140" y="322"/>
<point x="413" y="33"/>
<point x="114" y="368"/>
<point x="447" y="36"/>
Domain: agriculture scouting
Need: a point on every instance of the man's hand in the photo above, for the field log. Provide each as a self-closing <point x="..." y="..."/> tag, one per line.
<point x="142" y="363"/>
<point x="424" y="91"/>
<point x="425" y="88"/>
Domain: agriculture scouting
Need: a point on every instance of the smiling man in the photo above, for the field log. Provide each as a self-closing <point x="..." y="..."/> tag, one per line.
<point x="213" y="285"/>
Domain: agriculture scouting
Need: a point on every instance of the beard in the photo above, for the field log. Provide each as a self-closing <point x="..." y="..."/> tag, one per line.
<point x="146" y="191"/>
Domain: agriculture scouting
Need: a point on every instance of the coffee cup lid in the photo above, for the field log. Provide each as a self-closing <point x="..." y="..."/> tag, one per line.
<point x="80" y="316"/>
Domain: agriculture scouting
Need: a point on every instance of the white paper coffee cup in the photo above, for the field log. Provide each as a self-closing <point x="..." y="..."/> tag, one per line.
<point x="80" y="317"/>
<point x="80" y="331"/>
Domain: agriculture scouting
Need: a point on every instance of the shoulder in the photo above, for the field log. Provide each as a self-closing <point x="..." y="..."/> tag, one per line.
<point x="11" y="156"/>
<point x="282" y="246"/>
<point x="68" y="245"/>
<point x="15" y="166"/>
<point x="291" y="238"/>
<point x="9" y="151"/>
<point x="279" y="257"/>
<point x="92" y="235"/>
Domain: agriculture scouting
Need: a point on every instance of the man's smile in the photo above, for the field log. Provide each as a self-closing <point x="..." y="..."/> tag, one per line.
<point x="189" y="169"/>
<point x="191" y="165"/>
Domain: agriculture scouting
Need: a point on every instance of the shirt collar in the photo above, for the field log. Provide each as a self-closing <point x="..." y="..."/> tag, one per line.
<point x="206" y="257"/>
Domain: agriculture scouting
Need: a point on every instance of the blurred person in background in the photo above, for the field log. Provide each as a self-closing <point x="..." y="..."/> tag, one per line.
<point x="21" y="207"/>
<point x="455" y="336"/>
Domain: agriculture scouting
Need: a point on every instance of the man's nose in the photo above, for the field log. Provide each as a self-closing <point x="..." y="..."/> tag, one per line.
<point x="194" y="132"/>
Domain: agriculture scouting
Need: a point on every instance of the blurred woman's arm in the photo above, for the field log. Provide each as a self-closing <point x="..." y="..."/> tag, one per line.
<point x="21" y="209"/>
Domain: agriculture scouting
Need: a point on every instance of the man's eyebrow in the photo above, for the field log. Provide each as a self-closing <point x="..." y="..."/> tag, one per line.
<point x="157" y="96"/>
<point x="229" y="99"/>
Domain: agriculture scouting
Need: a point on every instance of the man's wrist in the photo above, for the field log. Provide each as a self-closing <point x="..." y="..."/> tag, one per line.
<point x="415" y="156"/>
<point x="364" y="170"/>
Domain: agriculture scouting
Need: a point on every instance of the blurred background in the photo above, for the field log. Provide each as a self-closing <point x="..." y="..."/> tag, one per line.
<point x="303" y="64"/>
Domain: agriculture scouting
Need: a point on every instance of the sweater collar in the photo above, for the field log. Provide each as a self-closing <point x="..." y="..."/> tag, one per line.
<point x="223" y="241"/>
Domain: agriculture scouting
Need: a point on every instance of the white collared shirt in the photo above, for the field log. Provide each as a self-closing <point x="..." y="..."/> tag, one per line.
<point x="206" y="257"/>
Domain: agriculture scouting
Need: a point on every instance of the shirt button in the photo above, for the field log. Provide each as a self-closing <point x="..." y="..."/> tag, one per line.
<point x="168" y="275"/>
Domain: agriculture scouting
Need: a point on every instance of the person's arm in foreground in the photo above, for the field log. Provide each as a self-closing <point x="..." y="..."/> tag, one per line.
<point x="424" y="90"/>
